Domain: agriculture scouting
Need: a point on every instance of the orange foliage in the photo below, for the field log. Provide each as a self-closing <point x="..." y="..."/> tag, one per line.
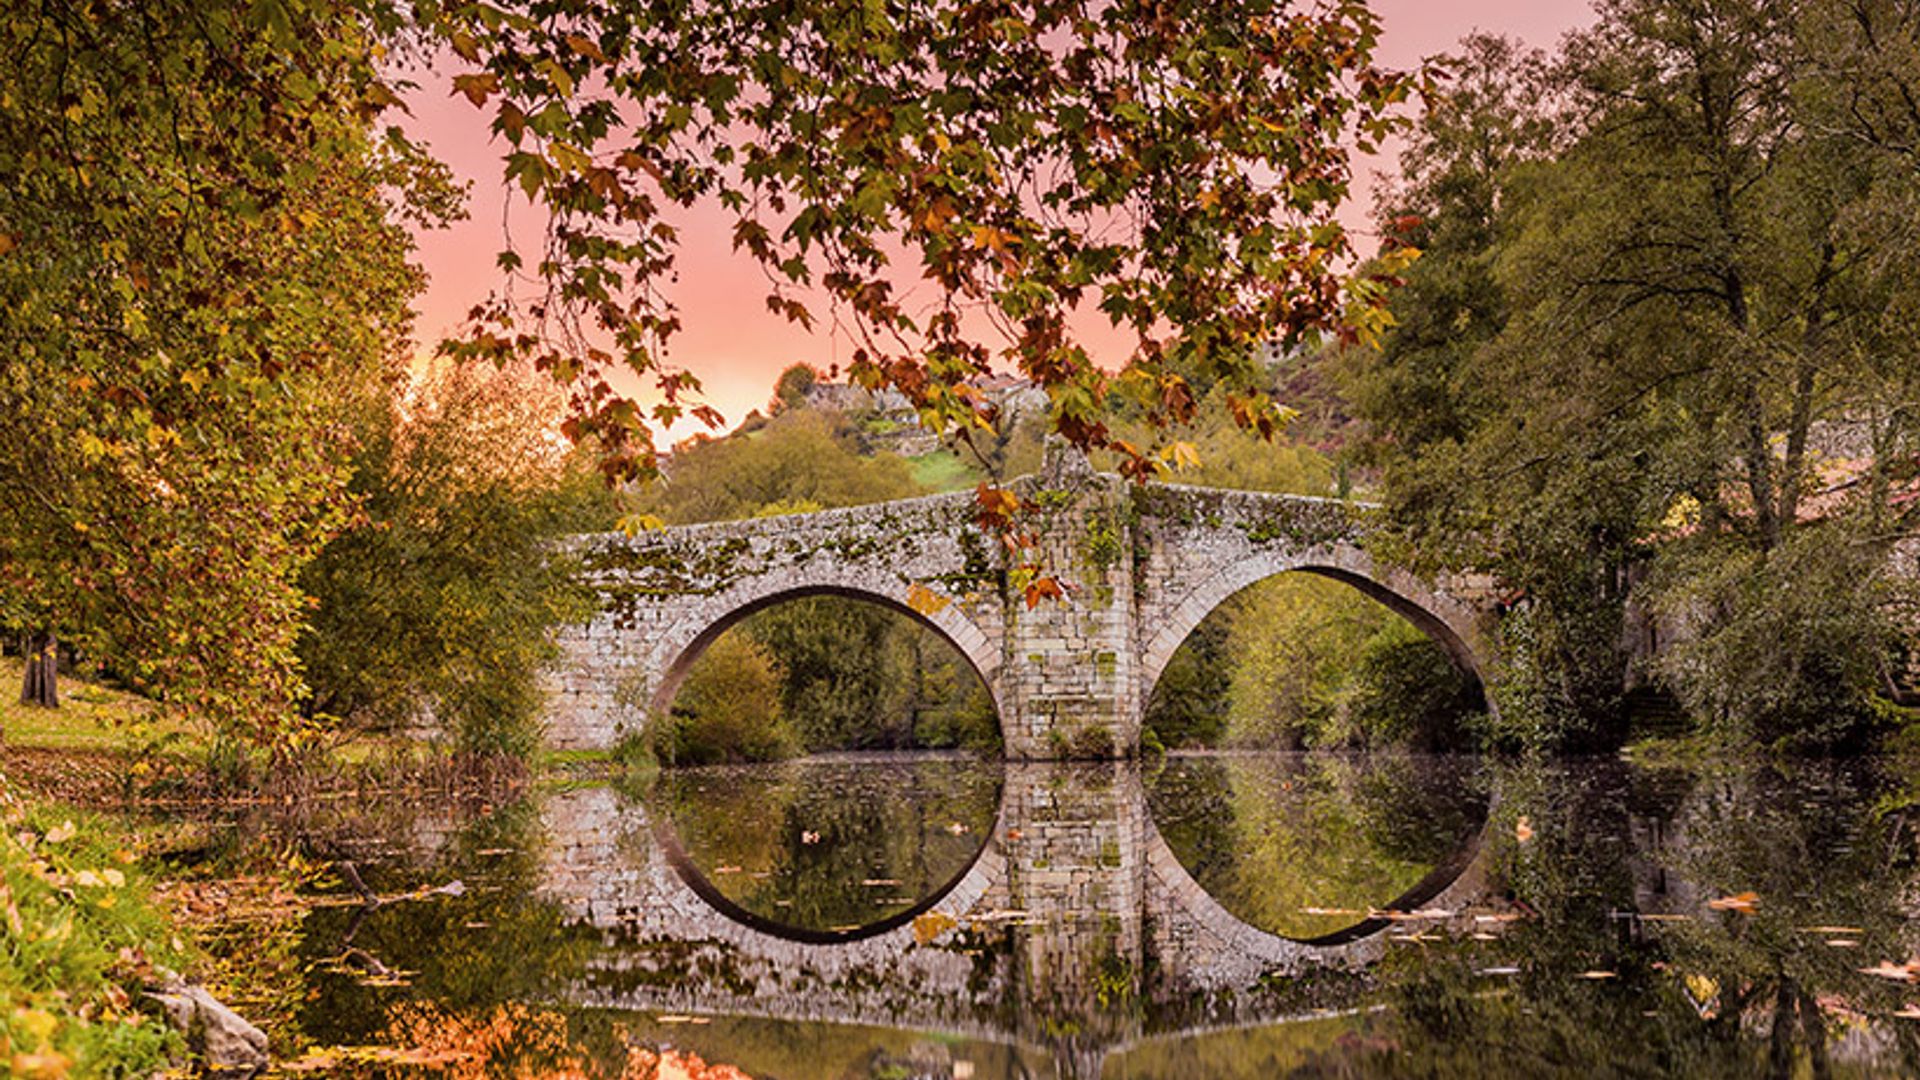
<point x="524" y="1043"/>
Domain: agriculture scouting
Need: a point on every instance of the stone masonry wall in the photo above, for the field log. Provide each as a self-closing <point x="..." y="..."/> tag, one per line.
<point x="1070" y="678"/>
<point x="1074" y="907"/>
<point x="665" y="594"/>
<point x="1196" y="547"/>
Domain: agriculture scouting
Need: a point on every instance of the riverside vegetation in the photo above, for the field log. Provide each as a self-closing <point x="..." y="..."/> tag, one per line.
<point x="1635" y="346"/>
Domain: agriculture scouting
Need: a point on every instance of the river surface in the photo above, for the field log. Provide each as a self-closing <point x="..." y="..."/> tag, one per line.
<point x="1309" y="915"/>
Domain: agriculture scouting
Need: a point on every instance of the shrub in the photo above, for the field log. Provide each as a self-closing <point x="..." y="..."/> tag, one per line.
<point x="728" y="709"/>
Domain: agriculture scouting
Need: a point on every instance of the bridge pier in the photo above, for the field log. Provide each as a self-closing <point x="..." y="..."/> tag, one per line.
<point x="1070" y="684"/>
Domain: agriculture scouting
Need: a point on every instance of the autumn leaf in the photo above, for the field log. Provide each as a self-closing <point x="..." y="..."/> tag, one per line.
<point x="1043" y="587"/>
<point x="1742" y="902"/>
<point x="478" y="87"/>
<point x="931" y="925"/>
<point x="587" y="47"/>
<point x="1181" y="455"/>
<point x="996" y="503"/>
<point x="925" y="601"/>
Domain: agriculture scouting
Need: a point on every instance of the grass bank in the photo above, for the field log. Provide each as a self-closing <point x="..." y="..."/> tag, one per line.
<point x="83" y="936"/>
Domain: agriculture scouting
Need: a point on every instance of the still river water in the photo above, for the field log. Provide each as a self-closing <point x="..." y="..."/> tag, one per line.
<point x="1257" y="916"/>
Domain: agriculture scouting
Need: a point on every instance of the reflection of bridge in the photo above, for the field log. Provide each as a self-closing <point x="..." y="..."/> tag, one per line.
<point x="1074" y="925"/>
<point x="1142" y="565"/>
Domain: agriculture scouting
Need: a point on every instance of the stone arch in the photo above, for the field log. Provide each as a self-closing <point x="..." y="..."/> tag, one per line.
<point x="680" y="644"/>
<point x="1452" y="624"/>
<point x="1242" y="952"/>
<point x="662" y="894"/>
<point x="951" y="898"/>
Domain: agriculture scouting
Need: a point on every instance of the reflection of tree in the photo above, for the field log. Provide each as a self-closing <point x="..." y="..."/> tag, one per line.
<point x="495" y="942"/>
<point x="1705" y="993"/>
<point x="809" y="844"/>
<point x="1271" y="835"/>
<point x="517" y="1042"/>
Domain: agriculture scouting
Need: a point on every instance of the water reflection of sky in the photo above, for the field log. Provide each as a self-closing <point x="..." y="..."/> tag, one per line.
<point x="1623" y="920"/>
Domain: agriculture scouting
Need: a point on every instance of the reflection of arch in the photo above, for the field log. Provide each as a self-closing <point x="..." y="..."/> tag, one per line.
<point x="682" y="643"/>
<point x="1452" y="884"/>
<point x="967" y="883"/>
<point x="1450" y="623"/>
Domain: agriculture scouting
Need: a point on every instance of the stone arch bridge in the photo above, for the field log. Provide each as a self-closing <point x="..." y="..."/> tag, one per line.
<point x="1142" y="566"/>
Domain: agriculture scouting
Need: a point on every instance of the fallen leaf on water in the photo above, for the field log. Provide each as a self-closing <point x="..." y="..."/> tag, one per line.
<point x="1742" y="902"/>
<point x="931" y="925"/>
<point x="312" y="1061"/>
<point x="1909" y="972"/>
<point x="1523" y="829"/>
<point x="1409" y="916"/>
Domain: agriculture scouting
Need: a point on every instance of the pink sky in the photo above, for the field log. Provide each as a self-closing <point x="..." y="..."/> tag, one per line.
<point x="730" y="340"/>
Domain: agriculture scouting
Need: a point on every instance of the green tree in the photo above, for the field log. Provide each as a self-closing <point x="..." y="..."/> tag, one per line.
<point x="440" y="598"/>
<point x="790" y="389"/>
<point x="728" y="709"/>
<point x="199" y="249"/>
<point x="1671" y="284"/>
<point x="795" y="462"/>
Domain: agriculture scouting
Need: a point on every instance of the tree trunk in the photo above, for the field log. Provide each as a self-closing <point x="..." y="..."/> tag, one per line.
<point x="41" y="685"/>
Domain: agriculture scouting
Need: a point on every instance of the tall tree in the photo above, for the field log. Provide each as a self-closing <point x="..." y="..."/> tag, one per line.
<point x="1676" y="355"/>
<point x="440" y="597"/>
<point x="197" y="251"/>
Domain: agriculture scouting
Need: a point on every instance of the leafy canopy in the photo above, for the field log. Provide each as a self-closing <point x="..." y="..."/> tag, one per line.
<point x="1172" y="166"/>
